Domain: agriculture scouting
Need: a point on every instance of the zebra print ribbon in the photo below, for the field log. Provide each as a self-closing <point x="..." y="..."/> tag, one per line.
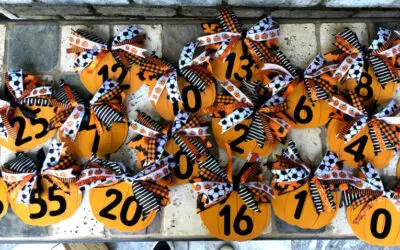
<point x="216" y="184"/>
<point x="22" y="173"/>
<point x="126" y="48"/>
<point x="105" y="106"/>
<point x="150" y="196"/>
<point x="380" y="125"/>
<point x="21" y="95"/>
<point x="188" y="133"/>
<point x="229" y="32"/>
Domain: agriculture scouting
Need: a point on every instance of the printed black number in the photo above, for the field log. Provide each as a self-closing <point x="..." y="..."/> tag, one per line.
<point x="20" y="139"/>
<point x="178" y="170"/>
<point x="247" y="67"/>
<point x="360" y="143"/>
<point x="374" y="223"/>
<point x="300" y="205"/>
<point x="104" y="72"/>
<point x="234" y="144"/>
<point x="365" y="83"/>
<point x="185" y="100"/>
<point x="1" y="207"/>
<point x="301" y="107"/>
<point x="105" y="212"/>
<point x="96" y="140"/>
<point x="226" y="213"/>
<point x="36" y="199"/>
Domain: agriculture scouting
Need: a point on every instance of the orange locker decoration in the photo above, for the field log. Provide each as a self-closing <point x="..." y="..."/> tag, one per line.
<point x="371" y="73"/>
<point x="372" y="210"/>
<point x="44" y="191"/>
<point x="238" y="54"/>
<point x="233" y="208"/>
<point x="99" y="126"/>
<point x="121" y="200"/>
<point x="191" y="88"/>
<point x="249" y="119"/>
<point x="96" y="61"/>
<point x="25" y="113"/>
<point x="308" y="103"/>
<point x="361" y="135"/>
<point x="185" y="139"/>
<point x="304" y="197"/>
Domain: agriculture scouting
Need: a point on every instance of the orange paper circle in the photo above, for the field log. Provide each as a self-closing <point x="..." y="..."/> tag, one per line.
<point x="116" y="207"/>
<point x="52" y="207"/>
<point x="3" y="198"/>
<point x="297" y="208"/>
<point x="347" y="152"/>
<point x="232" y="220"/>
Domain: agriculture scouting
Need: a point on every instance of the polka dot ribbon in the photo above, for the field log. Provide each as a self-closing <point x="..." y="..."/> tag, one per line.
<point x="98" y="172"/>
<point x="30" y="94"/>
<point x="230" y="33"/>
<point x="22" y="174"/>
<point x="126" y="48"/>
<point x="382" y="126"/>
<point x="214" y="186"/>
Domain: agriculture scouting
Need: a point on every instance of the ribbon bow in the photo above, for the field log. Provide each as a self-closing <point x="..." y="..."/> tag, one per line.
<point x="215" y="184"/>
<point x="187" y="133"/>
<point x="290" y="173"/>
<point x="367" y="191"/>
<point x="126" y="48"/>
<point x="380" y="125"/>
<point x="150" y="196"/>
<point x="239" y="106"/>
<point x="105" y="106"/>
<point x="23" y="173"/>
<point x="21" y="95"/>
<point x="381" y="55"/>
<point x="228" y="32"/>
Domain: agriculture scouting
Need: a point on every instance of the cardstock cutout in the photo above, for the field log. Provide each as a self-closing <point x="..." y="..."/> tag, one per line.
<point x="194" y="89"/>
<point x="371" y="73"/>
<point x="237" y="53"/>
<point x="185" y="139"/>
<point x="360" y="135"/>
<point x="306" y="198"/>
<point x="123" y="201"/>
<point x="3" y="198"/>
<point x="97" y="62"/>
<point x="24" y="115"/>
<point x="371" y="210"/>
<point x="233" y="208"/>
<point x="99" y="126"/>
<point x="249" y="118"/>
<point x="46" y="193"/>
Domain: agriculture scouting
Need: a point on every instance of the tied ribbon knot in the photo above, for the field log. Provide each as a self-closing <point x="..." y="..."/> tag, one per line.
<point x="150" y="196"/>
<point x="368" y="191"/>
<point x="126" y="48"/>
<point x="381" y="55"/>
<point x="215" y="184"/>
<point x="23" y="173"/>
<point x="290" y="173"/>
<point x="229" y="32"/>
<point x="105" y="107"/>
<point x="381" y="126"/>
<point x="187" y="133"/>
<point x="21" y="96"/>
<point x="236" y="107"/>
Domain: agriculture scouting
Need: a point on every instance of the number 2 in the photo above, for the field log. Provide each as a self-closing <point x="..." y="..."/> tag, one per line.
<point x="234" y="144"/>
<point x="226" y="213"/>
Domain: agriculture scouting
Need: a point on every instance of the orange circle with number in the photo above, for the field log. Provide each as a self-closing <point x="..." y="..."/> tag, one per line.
<point x="232" y="220"/>
<point x="182" y="173"/>
<point x="3" y="198"/>
<point x="193" y="100"/>
<point x="380" y="225"/>
<point x="235" y="137"/>
<point x="52" y="206"/>
<point x="358" y="150"/>
<point x="303" y="113"/>
<point x="297" y="208"/>
<point x="88" y="141"/>
<point x="116" y="207"/>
